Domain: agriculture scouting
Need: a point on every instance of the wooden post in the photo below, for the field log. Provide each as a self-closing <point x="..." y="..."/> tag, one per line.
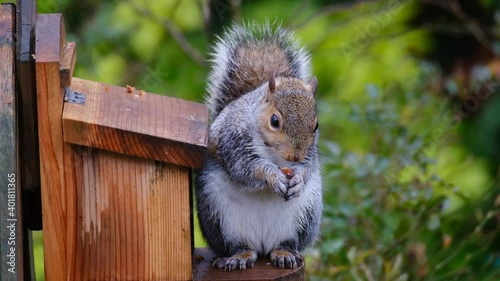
<point x="11" y="242"/>
<point x="29" y="162"/>
<point x="263" y="271"/>
<point x="115" y="171"/>
<point x="133" y="194"/>
<point x="27" y="116"/>
<point x="57" y="158"/>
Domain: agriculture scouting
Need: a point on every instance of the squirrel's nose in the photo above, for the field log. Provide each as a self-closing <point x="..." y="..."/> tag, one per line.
<point x="296" y="157"/>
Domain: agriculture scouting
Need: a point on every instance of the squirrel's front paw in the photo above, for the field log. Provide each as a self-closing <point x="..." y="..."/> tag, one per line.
<point x="279" y="182"/>
<point x="238" y="261"/>
<point x="295" y="187"/>
<point x="284" y="258"/>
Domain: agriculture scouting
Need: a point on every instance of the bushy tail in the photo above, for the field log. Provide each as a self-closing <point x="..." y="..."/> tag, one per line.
<point x="246" y="56"/>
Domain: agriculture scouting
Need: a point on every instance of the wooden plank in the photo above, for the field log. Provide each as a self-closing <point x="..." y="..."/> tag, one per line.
<point x="11" y="242"/>
<point x="134" y="219"/>
<point x="56" y="157"/>
<point x="29" y="174"/>
<point x="26" y="20"/>
<point x="263" y="270"/>
<point x="136" y="123"/>
<point x="68" y="62"/>
<point x="28" y="130"/>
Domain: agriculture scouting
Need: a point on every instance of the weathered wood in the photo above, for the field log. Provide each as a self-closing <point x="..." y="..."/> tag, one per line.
<point x="68" y="62"/>
<point x="132" y="122"/>
<point x="133" y="219"/>
<point x="263" y="270"/>
<point x="26" y="80"/>
<point x="108" y="215"/>
<point x="26" y="20"/>
<point x="11" y="241"/>
<point x="29" y="168"/>
<point x="56" y="157"/>
<point x="28" y="130"/>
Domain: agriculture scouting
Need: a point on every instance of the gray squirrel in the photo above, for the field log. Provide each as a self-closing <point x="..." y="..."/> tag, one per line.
<point x="259" y="192"/>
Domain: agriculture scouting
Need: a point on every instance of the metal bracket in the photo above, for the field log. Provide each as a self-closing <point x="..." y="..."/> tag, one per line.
<point x="73" y="97"/>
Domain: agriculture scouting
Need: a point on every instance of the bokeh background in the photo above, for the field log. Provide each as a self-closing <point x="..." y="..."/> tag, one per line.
<point x="409" y="104"/>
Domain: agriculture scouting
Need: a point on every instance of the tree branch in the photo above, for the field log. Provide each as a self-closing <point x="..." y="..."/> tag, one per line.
<point x="332" y="9"/>
<point x="174" y="31"/>
<point x="218" y="14"/>
<point x="472" y="25"/>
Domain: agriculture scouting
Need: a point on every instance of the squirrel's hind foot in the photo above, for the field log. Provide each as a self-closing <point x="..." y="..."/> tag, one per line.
<point x="285" y="258"/>
<point x="238" y="261"/>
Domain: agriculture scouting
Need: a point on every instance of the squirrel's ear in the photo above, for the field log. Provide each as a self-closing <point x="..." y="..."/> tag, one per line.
<point x="272" y="84"/>
<point x="312" y="85"/>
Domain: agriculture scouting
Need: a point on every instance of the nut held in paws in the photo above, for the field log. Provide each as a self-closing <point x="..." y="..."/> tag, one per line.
<point x="288" y="172"/>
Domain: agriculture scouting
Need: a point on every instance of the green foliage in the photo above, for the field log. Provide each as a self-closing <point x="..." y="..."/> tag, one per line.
<point x="38" y="255"/>
<point x="404" y="199"/>
<point x="389" y="212"/>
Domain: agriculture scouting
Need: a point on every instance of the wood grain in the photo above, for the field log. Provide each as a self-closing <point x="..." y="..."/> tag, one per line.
<point x="133" y="219"/>
<point x="141" y="124"/>
<point x="68" y="61"/>
<point x="10" y="192"/>
<point x="56" y="157"/>
<point x="263" y="270"/>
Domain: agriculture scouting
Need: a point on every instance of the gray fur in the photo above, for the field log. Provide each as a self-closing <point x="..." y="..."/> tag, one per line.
<point x="241" y="193"/>
<point x="223" y="58"/>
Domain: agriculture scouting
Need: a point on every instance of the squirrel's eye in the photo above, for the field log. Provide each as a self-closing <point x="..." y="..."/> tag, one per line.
<point x="275" y="121"/>
<point x="316" y="127"/>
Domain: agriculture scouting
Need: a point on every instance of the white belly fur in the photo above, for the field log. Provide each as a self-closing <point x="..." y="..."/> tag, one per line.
<point x="260" y="220"/>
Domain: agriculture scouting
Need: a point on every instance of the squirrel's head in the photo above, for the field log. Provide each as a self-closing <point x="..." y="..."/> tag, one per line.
<point x="288" y="120"/>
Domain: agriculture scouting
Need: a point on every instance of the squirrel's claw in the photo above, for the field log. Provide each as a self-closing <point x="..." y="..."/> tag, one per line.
<point x="220" y="262"/>
<point x="239" y="261"/>
<point x="233" y="263"/>
<point x="283" y="258"/>
<point x="295" y="187"/>
<point x="279" y="183"/>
